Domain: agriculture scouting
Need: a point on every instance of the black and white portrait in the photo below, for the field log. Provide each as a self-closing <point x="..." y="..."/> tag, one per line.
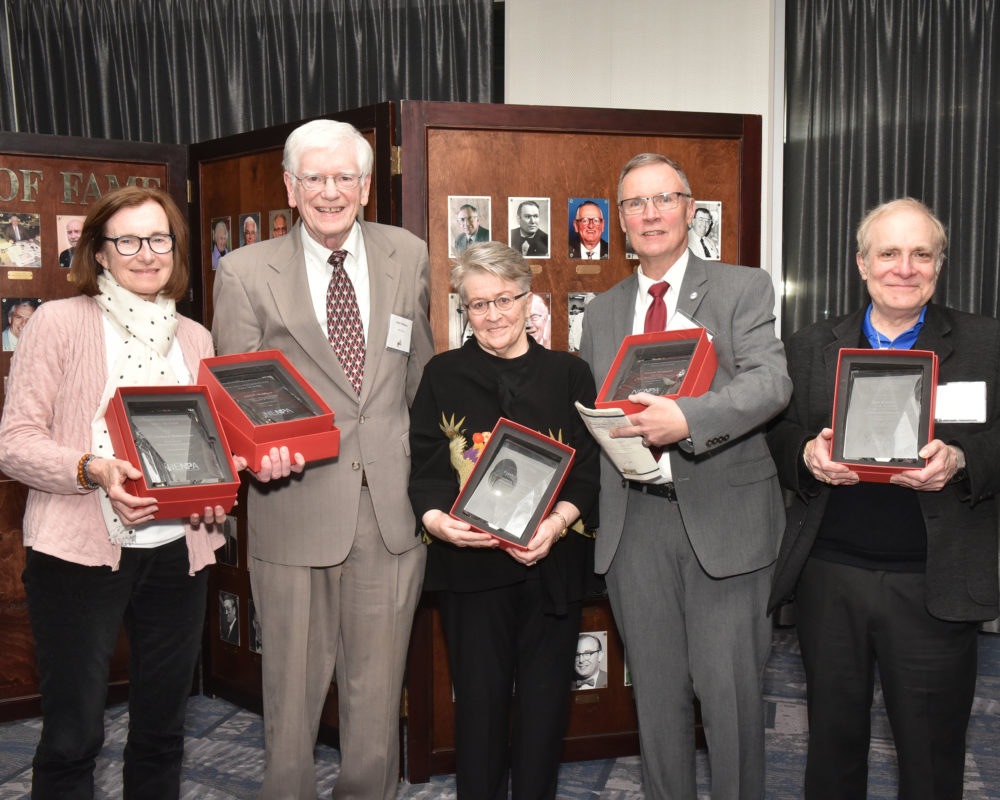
<point x="590" y="666"/>
<point x="705" y="231"/>
<point x="229" y="617"/>
<point x="529" y="225"/>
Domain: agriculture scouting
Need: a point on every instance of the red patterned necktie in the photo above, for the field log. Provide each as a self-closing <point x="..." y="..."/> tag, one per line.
<point x="656" y="320"/>
<point x="343" y="321"/>
<point x="656" y="314"/>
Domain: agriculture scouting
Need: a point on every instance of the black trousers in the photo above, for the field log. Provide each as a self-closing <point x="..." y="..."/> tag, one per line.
<point x="76" y="613"/>
<point x="511" y="669"/>
<point x="850" y="620"/>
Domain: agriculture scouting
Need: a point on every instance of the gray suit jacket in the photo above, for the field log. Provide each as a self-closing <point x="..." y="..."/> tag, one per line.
<point x="725" y="479"/>
<point x="262" y="302"/>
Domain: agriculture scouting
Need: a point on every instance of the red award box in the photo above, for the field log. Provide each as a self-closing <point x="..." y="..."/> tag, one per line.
<point x="173" y="434"/>
<point x="668" y="363"/>
<point x="883" y="410"/>
<point x="514" y="484"/>
<point x="265" y="402"/>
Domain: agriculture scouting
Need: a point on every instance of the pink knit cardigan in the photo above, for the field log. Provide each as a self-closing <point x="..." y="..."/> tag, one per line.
<point x="57" y="376"/>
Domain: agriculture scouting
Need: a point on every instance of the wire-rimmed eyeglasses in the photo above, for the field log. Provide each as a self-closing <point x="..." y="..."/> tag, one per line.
<point x="666" y="201"/>
<point x="345" y="181"/>
<point x="503" y="303"/>
<point x="128" y="245"/>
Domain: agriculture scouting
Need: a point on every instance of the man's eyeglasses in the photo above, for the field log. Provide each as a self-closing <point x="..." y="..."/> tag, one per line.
<point x="586" y="654"/>
<point x="315" y="183"/>
<point x="590" y="220"/>
<point x="503" y="303"/>
<point x="159" y="243"/>
<point x="667" y="201"/>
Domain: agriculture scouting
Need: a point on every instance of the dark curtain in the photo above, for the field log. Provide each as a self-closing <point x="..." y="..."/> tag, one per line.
<point x="182" y="71"/>
<point x="887" y="98"/>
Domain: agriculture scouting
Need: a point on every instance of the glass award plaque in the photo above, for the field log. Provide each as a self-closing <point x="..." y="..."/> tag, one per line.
<point x="657" y="367"/>
<point x="264" y="402"/>
<point x="174" y="444"/>
<point x="265" y="392"/>
<point x="666" y="364"/>
<point x="173" y="435"/>
<point x="883" y="410"/>
<point x="514" y="484"/>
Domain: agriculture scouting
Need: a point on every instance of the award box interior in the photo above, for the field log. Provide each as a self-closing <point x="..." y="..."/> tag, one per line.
<point x="174" y="436"/>
<point x="425" y="152"/>
<point x="514" y="484"/>
<point x="858" y="410"/>
<point x="244" y="386"/>
<point x="683" y="361"/>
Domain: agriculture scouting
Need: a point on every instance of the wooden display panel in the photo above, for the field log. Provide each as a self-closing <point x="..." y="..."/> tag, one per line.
<point x="50" y="177"/>
<point x="455" y="149"/>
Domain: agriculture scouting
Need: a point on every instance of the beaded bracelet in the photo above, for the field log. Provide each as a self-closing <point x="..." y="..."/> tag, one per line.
<point x="565" y="528"/>
<point x="81" y="472"/>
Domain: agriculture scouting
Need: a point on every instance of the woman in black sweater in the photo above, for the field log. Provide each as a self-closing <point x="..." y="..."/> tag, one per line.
<point x="511" y="617"/>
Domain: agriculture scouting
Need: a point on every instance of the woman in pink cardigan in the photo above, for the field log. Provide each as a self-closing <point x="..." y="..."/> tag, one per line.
<point x="95" y="558"/>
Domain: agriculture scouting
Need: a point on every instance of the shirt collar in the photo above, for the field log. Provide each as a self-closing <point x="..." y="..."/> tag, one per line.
<point x="904" y="341"/>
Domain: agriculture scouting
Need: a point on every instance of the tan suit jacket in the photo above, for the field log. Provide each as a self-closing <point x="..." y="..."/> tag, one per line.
<point x="262" y="302"/>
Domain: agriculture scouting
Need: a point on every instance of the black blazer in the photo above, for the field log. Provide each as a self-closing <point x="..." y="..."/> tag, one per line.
<point x="961" y="518"/>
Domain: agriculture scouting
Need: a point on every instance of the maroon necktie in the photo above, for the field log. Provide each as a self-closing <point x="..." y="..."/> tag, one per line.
<point x="656" y="314"/>
<point x="343" y="322"/>
<point x="656" y="320"/>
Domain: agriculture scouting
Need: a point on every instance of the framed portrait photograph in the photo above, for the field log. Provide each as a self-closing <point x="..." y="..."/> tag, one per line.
<point x="249" y="228"/>
<point x="883" y="410"/>
<point x="705" y="230"/>
<point x="514" y="484"/>
<point x="279" y="222"/>
<point x="221" y="241"/>
<point x="68" y="230"/>
<point x="20" y="239"/>
<point x="16" y="313"/>
<point x="588" y="234"/>
<point x="529" y="226"/>
<point x="590" y="666"/>
<point x="229" y="617"/>
<point x="469" y="217"/>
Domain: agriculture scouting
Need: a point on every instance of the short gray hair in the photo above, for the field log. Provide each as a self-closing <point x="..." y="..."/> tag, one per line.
<point x="651" y="159"/>
<point x="326" y="134"/>
<point x="901" y="204"/>
<point x="493" y="258"/>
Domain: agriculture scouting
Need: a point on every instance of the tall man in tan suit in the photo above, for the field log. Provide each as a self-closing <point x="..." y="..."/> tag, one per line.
<point x="335" y="564"/>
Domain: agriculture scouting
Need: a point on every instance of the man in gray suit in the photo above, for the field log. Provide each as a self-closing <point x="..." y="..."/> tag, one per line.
<point x="335" y="563"/>
<point x="689" y="559"/>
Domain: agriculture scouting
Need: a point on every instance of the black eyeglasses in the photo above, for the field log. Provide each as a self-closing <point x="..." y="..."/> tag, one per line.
<point x="159" y="243"/>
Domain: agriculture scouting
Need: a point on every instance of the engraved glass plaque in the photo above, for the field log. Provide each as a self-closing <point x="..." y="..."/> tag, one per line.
<point x="655" y="367"/>
<point x="514" y="483"/>
<point x="883" y="414"/>
<point x="176" y="442"/>
<point x="513" y="488"/>
<point x="265" y="392"/>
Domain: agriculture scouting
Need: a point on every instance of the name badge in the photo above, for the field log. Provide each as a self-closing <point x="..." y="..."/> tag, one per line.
<point x="398" y="337"/>
<point x="960" y="401"/>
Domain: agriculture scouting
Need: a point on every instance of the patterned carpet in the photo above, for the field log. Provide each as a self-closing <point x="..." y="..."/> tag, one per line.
<point x="224" y="756"/>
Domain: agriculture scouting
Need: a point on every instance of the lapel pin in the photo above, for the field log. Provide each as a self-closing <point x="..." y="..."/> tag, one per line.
<point x="693" y="296"/>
